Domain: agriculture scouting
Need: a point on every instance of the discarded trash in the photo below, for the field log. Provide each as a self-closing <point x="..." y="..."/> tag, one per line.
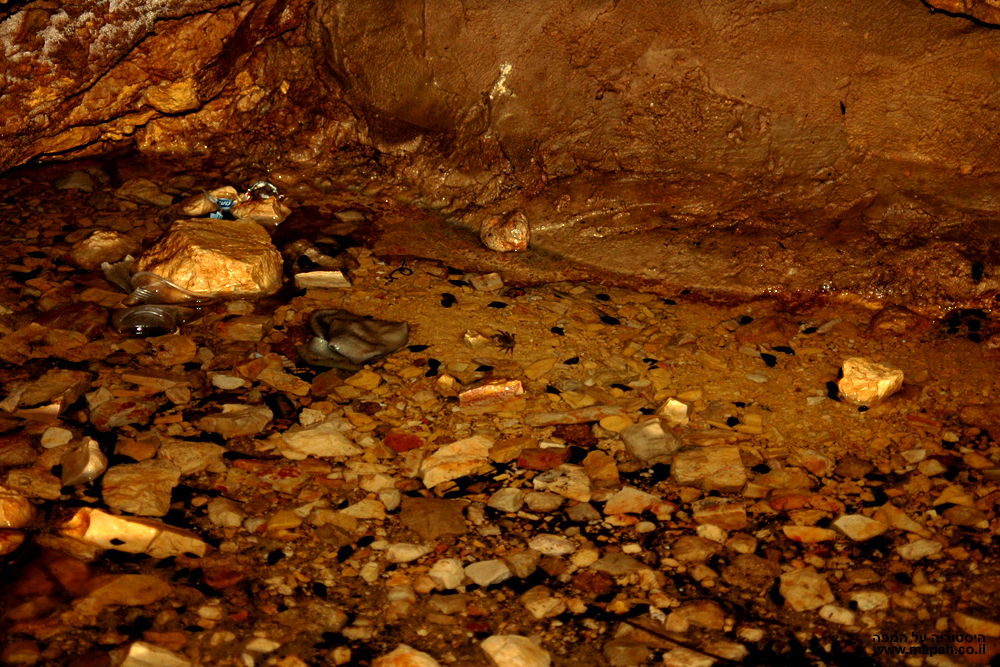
<point x="346" y="341"/>
<point x="506" y="233"/>
<point x="151" y="319"/>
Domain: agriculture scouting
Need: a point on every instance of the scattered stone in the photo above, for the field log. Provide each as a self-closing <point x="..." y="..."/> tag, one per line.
<point x="83" y="464"/>
<point x="569" y="481"/>
<point x="132" y="535"/>
<point x="601" y="469"/>
<point x="919" y="549"/>
<point x="685" y="657"/>
<point x="540" y="601"/>
<point x="458" y="459"/>
<point x="648" y="441"/>
<point x="321" y="440"/>
<point x="859" y="528"/>
<point x="514" y="651"/>
<point x="127" y="589"/>
<point x="490" y="396"/>
<point x="34" y="483"/>
<point x="582" y="415"/>
<point x="225" y="512"/>
<point x="118" y="412"/>
<point x="805" y="589"/>
<point x="896" y="321"/>
<point x="976" y="626"/>
<point x="625" y="652"/>
<point x="508" y="233"/>
<point x="405" y="656"/>
<point x="523" y="564"/>
<point x="713" y="468"/>
<point x="141" y="654"/>
<point x="102" y="246"/>
<point x="552" y="545"/>
<point x="142" y="488"/>
<point x="192" y="457"/>
<point x="542" y="502"/>
<point x="630" y="501"/>
<point x="488" y="282"/>
<point x="868" y="383"/>
<point x="507" y="500"/>
<point x="985" y="416"/>
<point x="448" y="574"/>
<point x="726" y="513"/>
<point x="236" y="421"/>
<point x="851" y="467"/>
<point x="751" y="572"/>
<point x="15" y="510"/>
<point x="618" y="564"/>
<point x="838" y="615"/>
<point x="402" y="552"/>
<point x="488" y="572"/>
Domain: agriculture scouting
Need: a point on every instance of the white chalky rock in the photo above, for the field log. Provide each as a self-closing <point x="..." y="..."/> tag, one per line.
<point x="507" y="500"/>
<point x="859" y="528"/>
<point x="83" y="464"/>
<point x="323" y="439"/>
<point x="460" y="458"/>
<point x="406" y="656"/>
<point x="868" y="383"/>
<point x="447" y="573"/>
<point x="506" y="233"/>
<point x="648" y="441"/>
<point x="141" y="654"/>
<point x="514" y="651"/>
<point x="805" y="589"/>
<point x="225" y="512"/>
<point x="871" y="600"/>
<point x="568" y="480"/>
<point x="488" y="572"/>
<point x="552" y="545"/>
<point x="403" y="552"/>
<point x="919" y="549"/>
<point x="835" y="614"/>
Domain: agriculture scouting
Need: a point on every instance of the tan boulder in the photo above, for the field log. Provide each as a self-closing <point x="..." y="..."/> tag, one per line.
<point x="231" y="258"/>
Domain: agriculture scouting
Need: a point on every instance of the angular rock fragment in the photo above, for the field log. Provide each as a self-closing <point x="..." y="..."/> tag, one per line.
<point x="15" y="510"/>
<point x="751" y="572"/>
<point x="83" y="464"/>
<point x="726" y="513"/>
<point x="630" y="501"/>
<point x="508" y="233"/>
<point x="142" y="654"/>
<point x="433" y="518"/>
<point x="347" y="341"/>
<point x="492" y="396"/>
<point x="859" y="528"/>
<point x="514" y="651"/>
<point x="143" y="489"/>
<point x="507" y="500"/>
<point x="225" y="512"/>
<point x="714" y="468"/>
<point x="129" y="534"/>
<point x="405" y="656"/>
<point x="458" y="459"/>
<point x="321" y="440"/>
<point x="488" y="572"/>
<point x="919" y="549"/>
<point x="649" y="441"/>
<point x="37" y="342"/>
<point x="569" y="481"/>
<point x="34" y="483"/>
<point x="447" y="573"/>
<point x="127" y="589"/>
<point x="143" y="191"/>
<point x="805" y="589"/>
<point x="227" y="258"/>
<point x="237" y="420"/>
<point x="552" y="545"/>
<point x="191" y="457"/>
<point x="867" y="383"/>
<point x="101" y="246"/>
<point x="118" y="412"/>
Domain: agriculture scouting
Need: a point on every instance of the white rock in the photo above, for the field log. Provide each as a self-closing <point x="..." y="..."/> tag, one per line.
<point x="141" y="654"/>
<point x="685" y="657"/>
<point x="919" y="549"/>
<point x="507" y="500"/>
<point x="365" y="509"/>
<point x="262" y="645"/>
<point x="225" y="512"/>
<point x="191" y="457"/>
<point x="143" y="488"/>
<point x="391" y="498"/>
<point x="630" y="501"/>
<point x="568" y="480"/>
<point x="648" y="441"/>
<point x="835" y="614"/>
<point x="714" y="468"/>
<point x="447" y="573"/>
<point x="130" y="534"/>
<point x="870" y="600"/>
<point x="514" y="651"/>
<point x="859" y="528"/>
<point x="405" y="656"/>
<point x="456" y="460"/>
<point x="868" y="383"/>
<point x="552" y="545"/>
<point x="675" y="412"/>
<point x="55" y="437"/>
<point x="488" y="572"/>
<point x="805" y="589"/>
<point x="404" y="552"/>
<point x="323" y="439"/>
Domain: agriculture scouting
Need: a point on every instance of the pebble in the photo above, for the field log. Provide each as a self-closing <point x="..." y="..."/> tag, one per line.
<point x="507" y="500"/>
<point x="870" y="600"/>
<point x="506" y="233"/>
<point x="543" y="502"/>
<point x="514" y="651"/>
<point x="919" y="549"/>
<point x="143" y="488"/>
<point x="433" y="518"/>
<point x="805" y="589"/>
<point x="524" y="563"/>
<point x="838" y="615"/>
<point x="237" y="421"/>
<point x="456" y="460"/>
<point x="402" y="552"/>
<point x="630" y="501"/>
<point x="713" y="468"/>
<point x="859" y="528"/>
<point x="569" y="481"/>
<point x="685" y="657"/>
<point x="552" y="545"/>
<point x="405" y="656"/>
<point x="321" y="440"/>
<point x="615" y="423"/>
<point x="141" y="654"/>
<point x="225" y="512"/>
<point x="868" y="383"/>
<point x="83" y="464"/>
<point x="649" y="441"/>
<point x="488" y="572"/>
<point x="447" y="573"/>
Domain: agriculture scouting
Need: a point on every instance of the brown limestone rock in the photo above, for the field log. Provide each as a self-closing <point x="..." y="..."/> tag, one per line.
<point x="232" y="258"/>
<point x="433" y="519"/>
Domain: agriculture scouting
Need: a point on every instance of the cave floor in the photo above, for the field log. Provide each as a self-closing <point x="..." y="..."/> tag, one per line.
<point x="607" y="545"/>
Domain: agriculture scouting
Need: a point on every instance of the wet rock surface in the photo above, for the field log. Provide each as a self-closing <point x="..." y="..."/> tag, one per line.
<point x="643" y="496"/>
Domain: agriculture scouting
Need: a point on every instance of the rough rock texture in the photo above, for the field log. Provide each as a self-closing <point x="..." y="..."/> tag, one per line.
<point x="229" y="257"/>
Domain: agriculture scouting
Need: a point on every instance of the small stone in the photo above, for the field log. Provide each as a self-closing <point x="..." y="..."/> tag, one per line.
<point x="870" y="600"/>
<point x="514" y="651"/>
<point x="488" y="572"/>
<point x="685" y="657"/>
<point x="251" y="329"/>
<point x="707" y="614"/>
<point x="102" y="246"/>
<point x="488" y="282"/>
<point x="448" y="574"/>
<point x="601" y="469"/>
<point x="896" y="321"/>
<point x="15" y="510"/>
<point x="694" y="549"/>
<point x="542" y="502"/>
<point x="456" y="460"/>
<point x="141" y="488"/>
<point x="540" y="601"/>
<point x="405" y="656"/>
<point x="976" y="626"/>
<point x="366" y="509"/>
<point x="649" y="441"/>
<point x="809" y="534"/>
<point x="237" y="421"/>
<point x="128" y="589"/>
<point x="675" y="412"/>
<point x="543" y="459"/>
<point x="818" y="464"/>
<point x="713" y="468"/>
<point x="569" y="481"/>
<point x="859" y="528"/>
<point x="321" y="440"/>
<point x="771" y="330"/>
<point x="751" y="572"/>
<point x="83" y="464"/>
<point x="76" y="180"/>
<point x="55" y="437"/>
<point x="619" y="564"/>
<point x="225" y="512"/>
<point x="630" y="501"/>
<point x="364" y="380"/>
<point x="403" y="552"/>
<point x="34" y="483"/>
<point x="539" y="368"/>
<point x="868" y="383"/>
<point x="552" y="545"/>
<point x="507" y="500"/>
<point x="402" y="442"/>
<point x="965" y="516"/>
<point x="582" y="513"/>
<point x="985" y="416"/>
<point x="919" y="549"/>
<point x="143" y="191"/>
<point x="325" y="279"/>
<point x="852" y="467"/>
<point x="726" y="513"/>
<point x="523" y="564"/>
<point x="582" y="415"/>
<point x="490" y="396"/>
<point x="838" y="615"/>
<point x="805" y="589"/>
<point x="141" y="654"/>
<point x="191" y="457"/>
<point x="508" y="233"/>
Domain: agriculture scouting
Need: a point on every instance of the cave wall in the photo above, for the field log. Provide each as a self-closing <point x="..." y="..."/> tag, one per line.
<point x="802" y="104"/>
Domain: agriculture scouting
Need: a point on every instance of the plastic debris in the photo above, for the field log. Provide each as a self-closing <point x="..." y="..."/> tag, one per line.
<point x="347" y="341"/>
